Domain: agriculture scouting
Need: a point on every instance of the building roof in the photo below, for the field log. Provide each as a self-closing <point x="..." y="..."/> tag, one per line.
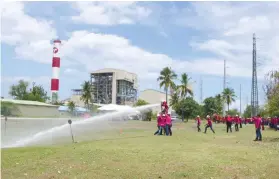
<point x="107" y="70"/>
<point x="155" y="91"/>
<point x="25" y="102"/>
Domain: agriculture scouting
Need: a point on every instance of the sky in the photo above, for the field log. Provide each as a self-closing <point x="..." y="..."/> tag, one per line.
<point x="140" y="37"/>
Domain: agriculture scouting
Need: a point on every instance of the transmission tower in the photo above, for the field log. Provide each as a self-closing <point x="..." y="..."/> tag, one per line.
<point x="254" y="90"/>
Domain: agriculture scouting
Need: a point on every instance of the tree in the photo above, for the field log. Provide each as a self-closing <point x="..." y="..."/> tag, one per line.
<point x="210" y="106"/>
<point x="272" y="92"/>
<point x="233" y="112"/>
<point x="219" y="103"/>
<point x="188" y="108"/>
<point x="71" y="106"/>
<point x="147" y="116"/>
<point x="19" y="91"/>
<point x="141" y="102"/>
<point x="184" y="87"/>
<point x="8" y="109"/>
<point x="247" y="112"/>
<point x="174" y="99"/>
<point x="36" y="93"/>
<point x="86" y="96"/>
<point x="166" y="79"/>
<point x="228" y="96"/>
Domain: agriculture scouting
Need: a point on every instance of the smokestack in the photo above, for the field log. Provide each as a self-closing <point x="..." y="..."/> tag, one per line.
<point x="55" y="70"/>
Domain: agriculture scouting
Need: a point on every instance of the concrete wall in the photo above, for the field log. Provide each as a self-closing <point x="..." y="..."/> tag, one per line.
<point x="153" y="97"/>
<point x="77" y="100"/>
<point x="36" y="111"/>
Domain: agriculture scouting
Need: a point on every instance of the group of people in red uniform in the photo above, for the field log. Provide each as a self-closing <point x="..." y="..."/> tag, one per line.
<point x="164" y="122"/>
<point x="258" y="121"/>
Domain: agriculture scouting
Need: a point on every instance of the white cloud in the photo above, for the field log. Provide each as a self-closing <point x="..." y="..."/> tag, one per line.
<point x="229" y="26"/>
<point x="30" y="37"/>
<point x="109" y="13"/>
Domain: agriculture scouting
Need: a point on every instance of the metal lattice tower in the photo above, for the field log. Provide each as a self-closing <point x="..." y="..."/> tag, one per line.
<point x="254" y="90"/>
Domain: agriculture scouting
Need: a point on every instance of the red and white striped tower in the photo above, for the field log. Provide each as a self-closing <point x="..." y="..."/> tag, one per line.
<point x="55" y="70"/>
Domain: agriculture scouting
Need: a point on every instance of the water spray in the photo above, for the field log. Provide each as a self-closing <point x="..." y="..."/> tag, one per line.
<point x="70" y="123"/>
<point x="60" y="131"/>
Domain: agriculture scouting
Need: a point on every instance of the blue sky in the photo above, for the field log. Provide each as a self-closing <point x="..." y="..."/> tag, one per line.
<point x="143" y="37"/>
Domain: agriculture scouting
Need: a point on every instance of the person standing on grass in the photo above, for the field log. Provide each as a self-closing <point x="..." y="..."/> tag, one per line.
<point x="240" y="122"/>
<point x="236" y="121"/>
<point x="168" y="124"/>
<point x="158" y="124"/>
<point x="163" y="124"/>
<point x="257" y="121"/>
<point x="229" y="123"/>
<point x="198" y="119"/>
<point x="209" y="124"/>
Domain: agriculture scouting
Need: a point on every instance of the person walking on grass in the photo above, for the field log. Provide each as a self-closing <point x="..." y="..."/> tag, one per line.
<point x="257" y="121"/>
<point x="198" y="119"/>
<point x="209" y="124"/>
<point x="228" y="123"/>
<point x="236" y="121"/>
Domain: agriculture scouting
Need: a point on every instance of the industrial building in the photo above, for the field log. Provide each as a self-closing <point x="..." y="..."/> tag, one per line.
<point x="113" y="86"/>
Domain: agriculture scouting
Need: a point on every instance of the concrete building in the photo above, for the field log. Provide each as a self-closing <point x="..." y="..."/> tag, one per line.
<point x="153" y="97"/>
<point x="113" y="86"/>
<point x="24" y="108"/>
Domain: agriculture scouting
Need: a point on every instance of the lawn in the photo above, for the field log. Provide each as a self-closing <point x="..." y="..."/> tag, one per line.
<point x="134" y="152"/>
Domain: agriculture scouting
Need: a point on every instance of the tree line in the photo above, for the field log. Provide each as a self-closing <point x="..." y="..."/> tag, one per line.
<point x="181" y="100"/>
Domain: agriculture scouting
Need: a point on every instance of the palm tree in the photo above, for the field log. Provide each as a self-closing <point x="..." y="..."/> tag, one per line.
<point x="174" y="99"/>
<point x="185" y="87"/>
<point x="86" y="93"/>
<point x="166" y="79"/>
<point x="71" y="106"/>
<point x="228" y="96"/>
<point x="220" y="102"/>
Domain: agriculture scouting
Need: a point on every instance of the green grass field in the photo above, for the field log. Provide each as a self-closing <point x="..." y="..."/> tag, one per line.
<point x="137" y="153"/>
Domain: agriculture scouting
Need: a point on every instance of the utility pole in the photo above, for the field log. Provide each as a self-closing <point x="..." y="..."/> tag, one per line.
<point x="240" y="110"/>
<point x="201" y="96"/>
<point x="224" y="86"/>
<point x="254" y="90"/>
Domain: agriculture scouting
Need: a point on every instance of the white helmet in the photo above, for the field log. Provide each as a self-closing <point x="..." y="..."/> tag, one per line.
<point x="207" y="116"/>
<point x="236" y="115"/>
<point x="158" y="114"/>
<point x="198" y="116"/>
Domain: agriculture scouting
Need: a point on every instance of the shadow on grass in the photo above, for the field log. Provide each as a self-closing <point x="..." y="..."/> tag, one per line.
<point x="272" y="139"/>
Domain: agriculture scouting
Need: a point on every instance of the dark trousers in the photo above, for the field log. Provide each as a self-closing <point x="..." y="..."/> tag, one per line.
<point x="198" y="126"/>
<point x="236" y="127"/>
<point x="229" y="126"/>
<point x="208" y="126"/>
<point x="240" y="124"/>
<point x="258" y="134"/>
<point x="158" y="131"/>
<point x="168" y="130"/>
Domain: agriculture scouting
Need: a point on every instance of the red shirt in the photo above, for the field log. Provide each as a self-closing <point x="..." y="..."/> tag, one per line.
<point x="228" y="119"/>
<point x="209" y="122"/>
<point x="198" y="120"/>
<point x="257" y="121"/>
